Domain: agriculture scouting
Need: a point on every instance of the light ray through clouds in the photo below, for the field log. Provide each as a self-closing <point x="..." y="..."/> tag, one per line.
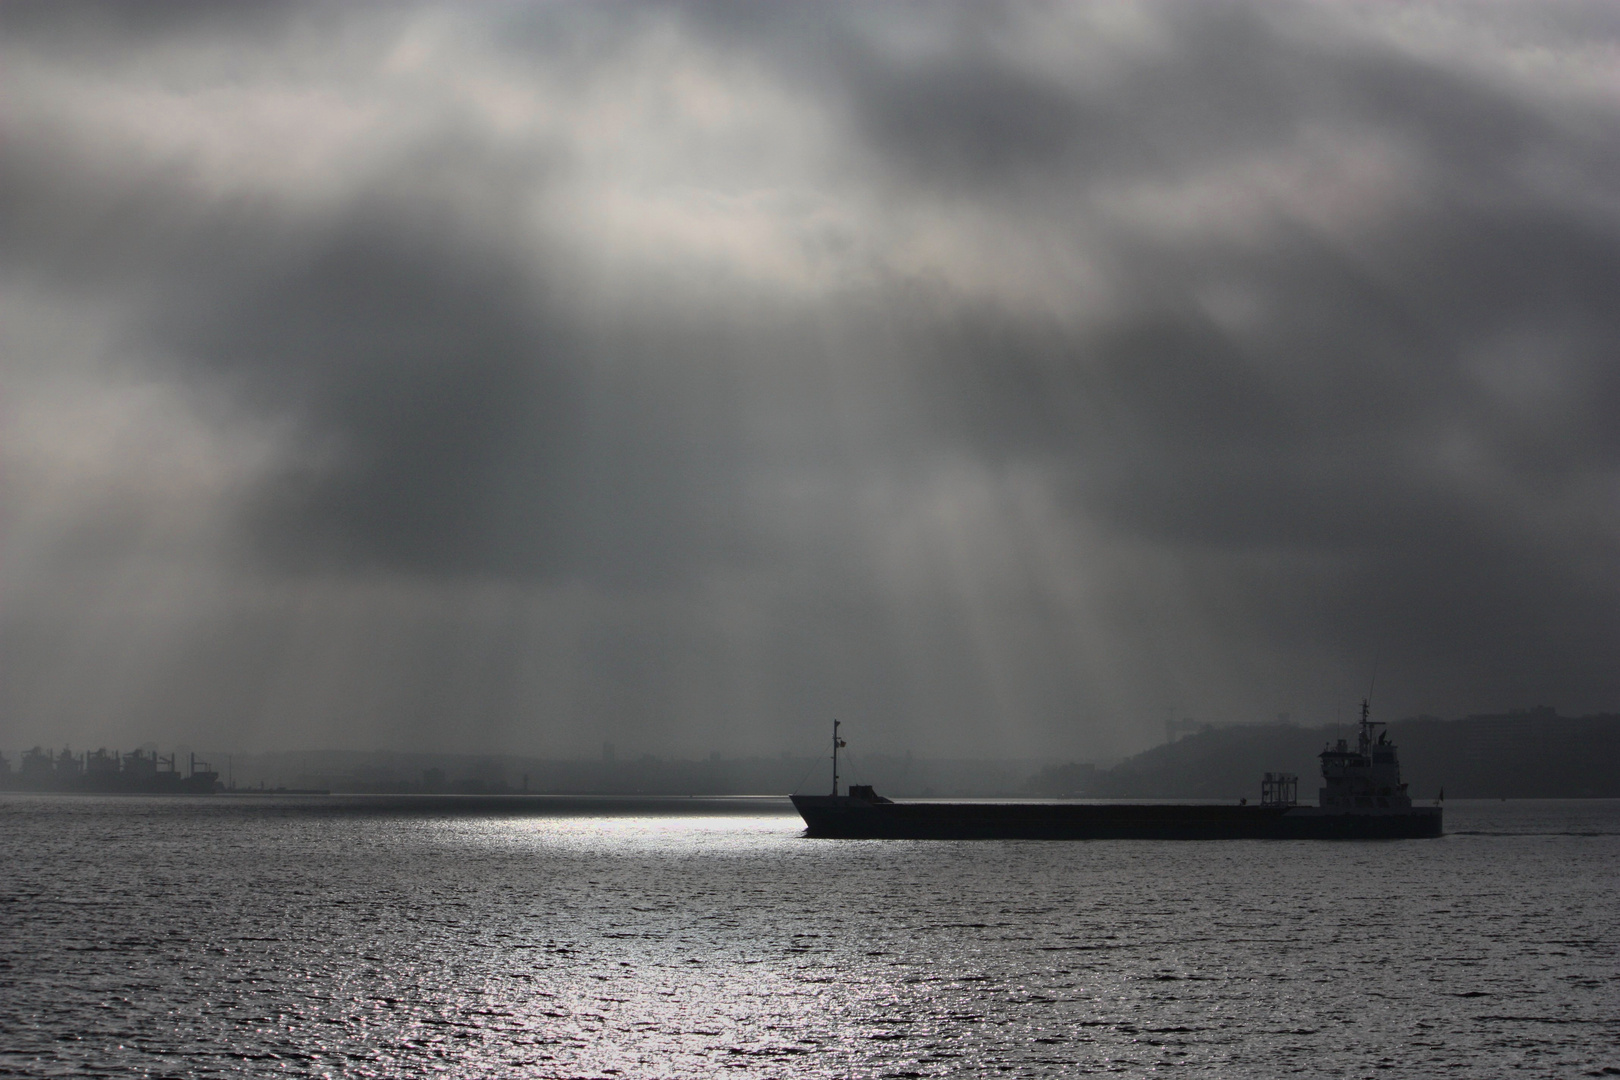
<point x="999" y="378"/>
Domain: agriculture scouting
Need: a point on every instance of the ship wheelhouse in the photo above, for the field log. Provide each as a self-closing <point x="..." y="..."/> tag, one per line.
<point x="1367" y="777"/>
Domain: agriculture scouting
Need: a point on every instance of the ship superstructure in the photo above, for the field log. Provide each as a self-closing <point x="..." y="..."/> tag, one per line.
<point x="1366" y="778"/>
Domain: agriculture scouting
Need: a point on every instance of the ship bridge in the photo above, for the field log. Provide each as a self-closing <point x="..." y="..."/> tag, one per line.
<point x="1366" y="777"/>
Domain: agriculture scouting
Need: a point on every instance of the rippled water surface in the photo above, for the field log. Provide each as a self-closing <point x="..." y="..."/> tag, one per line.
<point x="257" y="937"/>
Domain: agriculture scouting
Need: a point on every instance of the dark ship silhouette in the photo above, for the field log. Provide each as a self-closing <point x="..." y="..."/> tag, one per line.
<point x="1362" y="798"/>
<point x="143" y="772"/>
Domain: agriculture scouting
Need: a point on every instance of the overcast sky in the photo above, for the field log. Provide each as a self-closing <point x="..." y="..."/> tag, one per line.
<point x="997" y="378"/>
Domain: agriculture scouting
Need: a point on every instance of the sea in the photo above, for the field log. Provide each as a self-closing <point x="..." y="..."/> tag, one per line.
<point x="260" y="936"/>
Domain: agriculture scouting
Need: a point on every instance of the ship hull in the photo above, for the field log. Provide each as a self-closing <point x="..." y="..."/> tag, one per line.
<point x="844" y="817"/>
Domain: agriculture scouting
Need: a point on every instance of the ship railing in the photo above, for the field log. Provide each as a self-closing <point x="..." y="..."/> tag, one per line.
<point x="1279" y="789"/>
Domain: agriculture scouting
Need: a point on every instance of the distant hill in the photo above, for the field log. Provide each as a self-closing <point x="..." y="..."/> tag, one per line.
<point x="1217" y="763"/>
<point x="1531" y="754"/>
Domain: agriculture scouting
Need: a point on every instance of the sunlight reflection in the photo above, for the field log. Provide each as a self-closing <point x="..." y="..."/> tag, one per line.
<point x="608" y="834"/>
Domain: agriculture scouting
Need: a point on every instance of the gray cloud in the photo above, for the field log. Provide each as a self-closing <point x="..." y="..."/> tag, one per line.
<point x="689" y="374"/>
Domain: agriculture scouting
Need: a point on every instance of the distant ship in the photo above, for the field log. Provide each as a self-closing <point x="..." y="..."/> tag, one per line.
<point x="1362" y="798"/>
<point x="108" y="772"/>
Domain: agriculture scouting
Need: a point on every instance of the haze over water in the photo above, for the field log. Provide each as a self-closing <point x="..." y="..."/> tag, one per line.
<point x="399" y="938"/>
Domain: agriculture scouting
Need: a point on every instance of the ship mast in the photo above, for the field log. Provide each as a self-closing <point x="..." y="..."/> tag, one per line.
<point x="837" y="742"/>
<point x="1366" y="740"/>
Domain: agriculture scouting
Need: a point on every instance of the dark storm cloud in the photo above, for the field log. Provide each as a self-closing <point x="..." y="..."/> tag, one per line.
<point x="441" y="380"/>
<point x="1372" y="348"/>
<point x="1323" y="431"/>
<point x="1223" y="81"/>
<point x="455" y="390"/>
<point x="436" y="378"/>
<point x="962" y="117"/>
<point x="1008" y="360"/>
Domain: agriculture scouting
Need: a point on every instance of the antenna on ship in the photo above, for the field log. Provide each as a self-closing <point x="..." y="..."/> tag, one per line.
<point x="1366" y="707"/>
<point x="837" y="742"/>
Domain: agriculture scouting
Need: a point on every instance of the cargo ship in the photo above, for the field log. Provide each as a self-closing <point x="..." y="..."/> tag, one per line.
<point x="1361" y="798"/>
<point x="104" y="772"/>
